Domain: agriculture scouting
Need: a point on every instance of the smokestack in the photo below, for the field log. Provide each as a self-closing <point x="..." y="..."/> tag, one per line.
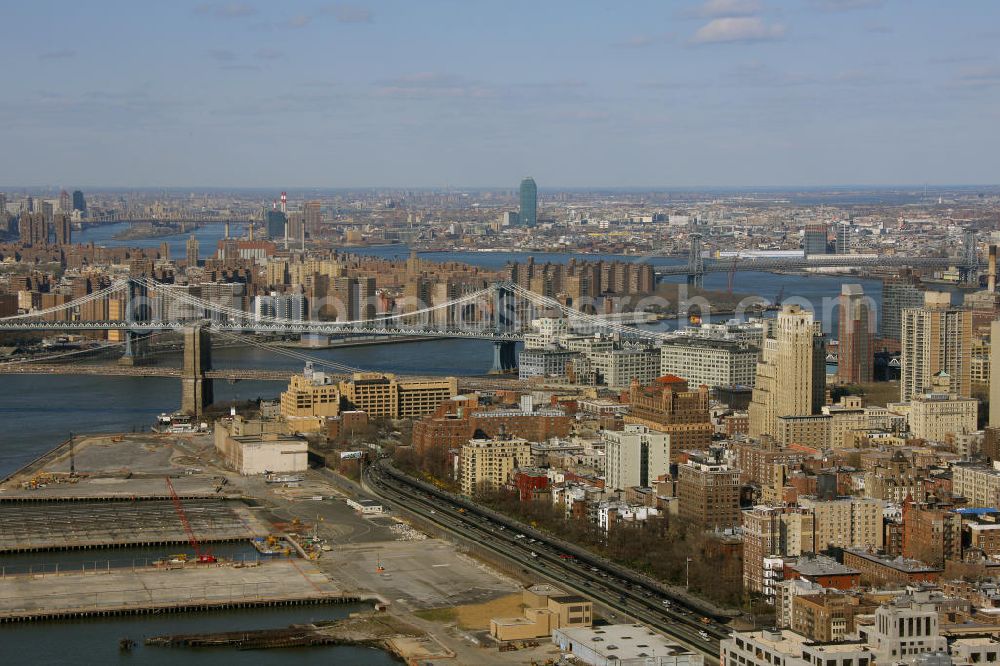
<point x="992" y="275"/>
<point x="251" y="231"/>
<point x="284" y="202"/>
<point x="227" y="231"/>
<point x="274" y="205"/>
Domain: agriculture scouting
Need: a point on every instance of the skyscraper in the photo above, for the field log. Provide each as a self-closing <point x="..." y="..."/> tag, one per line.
<point x="791" y="375"/>
<point x="79" y="203"/>
<point x="529" y="203"/>
<point x="898" y="293"/>
<point x="275" y="221"/>
<point x="65" y="203"/>
<point x="192" y="251"/>
<point x="854" y="333"/>
<point x="843" y="241"/>
<point x="935" y="338"/>
<point x="814" y="239"/>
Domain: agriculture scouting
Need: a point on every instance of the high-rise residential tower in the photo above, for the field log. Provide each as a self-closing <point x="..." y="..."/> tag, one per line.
<point x="791" y="375"/>
<point x="192" y="251"/>
<point x="935" y="338"/>
<point x="856" y="357"/>
<point x="898" y="293"/>
<point x="529" y="203"/>
<point x="62" y="227"/>
<point x="79" y="203"/>
<point x="313" y="217"/>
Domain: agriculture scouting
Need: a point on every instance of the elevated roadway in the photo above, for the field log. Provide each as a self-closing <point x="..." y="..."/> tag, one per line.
<point x="632" y="595"/>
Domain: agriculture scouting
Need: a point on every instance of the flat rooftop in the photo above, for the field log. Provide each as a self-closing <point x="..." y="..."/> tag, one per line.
<point x="623" y="641"/>
<point x="822" y="566"/>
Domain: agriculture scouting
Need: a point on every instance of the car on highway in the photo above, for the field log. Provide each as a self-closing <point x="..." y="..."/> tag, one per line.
<point x="704" y="634"/>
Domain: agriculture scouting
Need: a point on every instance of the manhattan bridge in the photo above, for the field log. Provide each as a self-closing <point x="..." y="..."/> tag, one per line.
<point x="500" y="313"/>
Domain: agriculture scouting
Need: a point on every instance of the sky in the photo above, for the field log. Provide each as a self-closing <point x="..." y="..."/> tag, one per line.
<point x="476" y="93"/>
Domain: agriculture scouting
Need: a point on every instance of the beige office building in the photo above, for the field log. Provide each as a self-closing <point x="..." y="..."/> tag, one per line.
<point x="935" y="416"/>
<point x="383" y="396"/>
<point x="812" y="431"/>
<point x="310" y="394"/>
<point x="791" y="375"/>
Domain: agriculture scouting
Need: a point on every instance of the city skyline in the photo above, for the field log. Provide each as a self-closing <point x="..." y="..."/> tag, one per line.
<point x="723" y="93"/>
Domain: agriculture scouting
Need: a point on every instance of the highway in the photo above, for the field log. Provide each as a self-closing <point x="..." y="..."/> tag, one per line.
<point x="471" y="383"/>
<point x="628" y="593"/>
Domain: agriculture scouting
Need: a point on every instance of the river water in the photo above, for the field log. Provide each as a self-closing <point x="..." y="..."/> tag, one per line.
<point x="38" y="412"/>
<point x="95" y="641"/>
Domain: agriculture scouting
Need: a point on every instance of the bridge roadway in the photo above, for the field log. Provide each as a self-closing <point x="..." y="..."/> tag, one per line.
<point x="723" y="265"/>
<point x="633" y="595"/>
<point x="236" y="374"/>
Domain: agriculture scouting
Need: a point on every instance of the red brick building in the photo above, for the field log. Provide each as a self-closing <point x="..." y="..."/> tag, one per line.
<point x="529" y="481"/>
<point x="457" y="421"/>
<point x="824" y="571"/>
<point x="668" y="406"/>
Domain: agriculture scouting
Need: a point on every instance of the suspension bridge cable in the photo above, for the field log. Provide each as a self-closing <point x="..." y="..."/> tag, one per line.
<point x="341" y="367"/>
<point x="237" y="313"/>
<point x="116" y="286"/>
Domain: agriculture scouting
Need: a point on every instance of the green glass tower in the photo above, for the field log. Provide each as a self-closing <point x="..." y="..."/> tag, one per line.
<point x="529" y="202"/>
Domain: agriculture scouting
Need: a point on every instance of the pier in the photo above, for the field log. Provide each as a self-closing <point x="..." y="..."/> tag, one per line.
<point x="279" y="582"/>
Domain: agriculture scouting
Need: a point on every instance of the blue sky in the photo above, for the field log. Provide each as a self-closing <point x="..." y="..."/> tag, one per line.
<point x="428" y="93"/>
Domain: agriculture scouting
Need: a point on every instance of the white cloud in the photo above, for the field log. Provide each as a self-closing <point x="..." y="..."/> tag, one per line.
<point x="738" y="29"/>
<point x="724" y="8"/>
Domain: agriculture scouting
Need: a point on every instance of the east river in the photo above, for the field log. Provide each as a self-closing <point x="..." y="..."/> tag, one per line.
<point x="39" y="411"/>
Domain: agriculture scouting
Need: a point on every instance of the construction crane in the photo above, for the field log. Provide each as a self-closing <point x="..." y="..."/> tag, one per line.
<point x="204" y="557"/>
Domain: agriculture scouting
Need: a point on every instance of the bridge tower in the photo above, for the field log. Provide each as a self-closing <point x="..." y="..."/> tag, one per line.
<point x="196" y="389"/>
<point x="696" y="262"/>
<point x="969" y="270"/>
<point x="505" y="312"/>
<point x="136" y="312"/>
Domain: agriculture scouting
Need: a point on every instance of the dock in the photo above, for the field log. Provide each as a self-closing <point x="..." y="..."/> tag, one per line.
<point x="38" y="526"/>
<point x="26" y="597"/>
